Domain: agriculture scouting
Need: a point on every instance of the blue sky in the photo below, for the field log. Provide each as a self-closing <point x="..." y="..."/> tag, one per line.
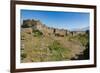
<point x="61" y="20"/>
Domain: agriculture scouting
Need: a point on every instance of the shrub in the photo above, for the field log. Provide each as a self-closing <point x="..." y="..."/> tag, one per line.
<point x="23" y="55"/>
<point x="37" y="33"/>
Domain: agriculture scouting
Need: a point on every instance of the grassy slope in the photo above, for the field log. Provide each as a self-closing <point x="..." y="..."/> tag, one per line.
<point x="40" y="48"/>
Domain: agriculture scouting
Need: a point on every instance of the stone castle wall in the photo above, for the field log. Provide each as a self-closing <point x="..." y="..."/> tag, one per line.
<point x="48" y="30"/>
<point x="60" y="32"/>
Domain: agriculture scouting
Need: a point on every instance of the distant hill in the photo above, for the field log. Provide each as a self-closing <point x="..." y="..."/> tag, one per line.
<point x="81" y="29"/>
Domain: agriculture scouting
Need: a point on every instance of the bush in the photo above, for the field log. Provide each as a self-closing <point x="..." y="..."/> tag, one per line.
<point x="37" y="33"/>
<point x="23" y="55"/>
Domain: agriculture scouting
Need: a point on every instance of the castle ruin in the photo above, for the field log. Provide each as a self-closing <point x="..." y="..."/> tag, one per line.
<point x="36" y="24"/>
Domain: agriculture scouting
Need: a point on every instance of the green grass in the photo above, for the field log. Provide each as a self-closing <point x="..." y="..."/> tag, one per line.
<point x="39" y="48"/>
<point x="37" y="33"/>
<point x="58" y="51"/>
<point x="84" y="39"/>
<point x="23" y="55"/>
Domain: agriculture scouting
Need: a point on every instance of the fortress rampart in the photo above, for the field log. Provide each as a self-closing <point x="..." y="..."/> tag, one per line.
<point x="36" y="24"/>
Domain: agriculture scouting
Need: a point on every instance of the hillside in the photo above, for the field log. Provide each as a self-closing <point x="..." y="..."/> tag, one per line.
<point x="41" y="45"/>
